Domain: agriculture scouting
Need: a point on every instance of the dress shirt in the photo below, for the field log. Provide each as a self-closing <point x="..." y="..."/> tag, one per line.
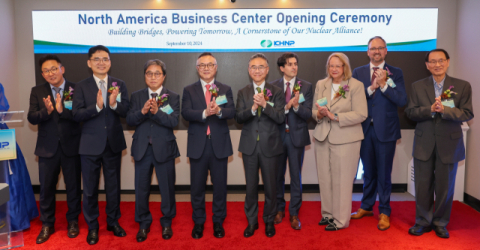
<point x="438" y="87"/>
<point x="292" y="83"/>
<point x="150" y="92"/>
<point x="62" y="88"/>
<point x="97" y="80"/>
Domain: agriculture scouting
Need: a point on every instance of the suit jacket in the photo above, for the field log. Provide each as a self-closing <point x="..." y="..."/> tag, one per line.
<point x="158" y="127"/>
<point x="382" y="107"/>
<point x="297" y="121"/>
<point x="53" y="127"/>
<point x="266" y="125"/>
<point x="445" y="131"/>
<point x="103" y="125"/>
<point x="193" y="106"/>
<point x="351" y="111"/>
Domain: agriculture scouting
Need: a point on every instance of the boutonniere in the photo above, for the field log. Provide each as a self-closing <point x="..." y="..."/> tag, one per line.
<point x="388" y="74"/>
<point x="161" y="99"/>
<point x="214" y="90"/>
<point x="267" y="94"/>
<point x="114" y="86"/>
<point x="68" y="95"/>
<point x="447" y="94"/>
<point x="342" y="90"/>
<point x="296" y="87"/>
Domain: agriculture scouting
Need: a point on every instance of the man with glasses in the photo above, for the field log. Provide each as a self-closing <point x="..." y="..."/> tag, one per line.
<point x="385" y="92"/>
<point x="99" y="102"/>
<point x="260" y="108"/>
<point x="57" y="145"/>
<point x="439" y="104"/>
<point x="207" y="105"/>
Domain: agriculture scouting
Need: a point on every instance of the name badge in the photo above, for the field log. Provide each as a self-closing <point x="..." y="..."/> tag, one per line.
<point x="271" y="104"/>
<point x="221" y="100"/>
<point x="322" y="102"/>
<point x="119" y="97"/>
<point x="448" y="103"/>
<point x="68" y="104"/>
<point x="167" y="109"/>
<point x="301" y="98"/>
<point x="391" y="83"/>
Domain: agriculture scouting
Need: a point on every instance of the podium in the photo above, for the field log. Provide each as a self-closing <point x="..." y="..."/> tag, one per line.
<point x="8" y="150"/>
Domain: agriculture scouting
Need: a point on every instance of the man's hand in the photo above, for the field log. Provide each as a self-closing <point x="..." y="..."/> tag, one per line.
<point x="58" y="103"/>
<point x="100" y="99"/>
<point x="153" y="106"/>
<point x="113" y="97"/>
<point x="214" y="108"/>
<point x="48" y="104"/>
<point x="147" y="106"/>
<point x="380" y="77"/>
<point x="295" y="99"/>
<point x="259" y="99"/>
<point x="438" y="106"/>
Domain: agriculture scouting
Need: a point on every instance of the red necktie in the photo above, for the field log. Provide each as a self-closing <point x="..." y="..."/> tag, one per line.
<point x="373" y="79"/>
<point x="208" y="96"/>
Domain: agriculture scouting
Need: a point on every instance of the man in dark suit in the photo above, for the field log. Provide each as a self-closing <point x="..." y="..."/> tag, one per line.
<point x="57" y="145"/>
<point x="439" y="104"/>
<point x="154" y="111"/>
<point x="209" y="144"/>
<point x="381" y="129"/>
<point x="102" y="139"/>
<point x="260" y="141"/>
<point x="295" y="136"/>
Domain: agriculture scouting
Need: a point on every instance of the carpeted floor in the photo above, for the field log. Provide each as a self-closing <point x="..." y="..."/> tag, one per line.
<point x="464" y="231"/>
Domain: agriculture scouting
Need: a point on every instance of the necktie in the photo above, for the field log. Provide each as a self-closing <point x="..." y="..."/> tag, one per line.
<point x="103" y="87"/>
<point x="373" y="78"/>
<point x="259" y="110"/>
<point x="288" y="96"/>
<point x="57" y="91"/>
<point x="208" y="96"/>
<point x="154" y="96"/>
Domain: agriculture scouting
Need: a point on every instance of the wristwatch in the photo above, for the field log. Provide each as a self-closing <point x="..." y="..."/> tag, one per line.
<point x="336" y="117"/>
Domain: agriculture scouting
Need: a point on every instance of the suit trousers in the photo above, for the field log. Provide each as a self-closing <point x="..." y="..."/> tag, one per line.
<point x="434" y="177"/>
<point x="268" y="167"/>
<point x="377" y="160"/>
<point x="198" y="178"/>
<point x="48" y="171"/>
<point x="295" y="162"/>
<point x="91" y="165"/>
<point x="165" y="172"/>
<point x="336" y="168"/>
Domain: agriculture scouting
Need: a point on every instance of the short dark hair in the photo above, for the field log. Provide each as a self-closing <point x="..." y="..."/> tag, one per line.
<point x="258" y="55"/>
<point x="375" y="37"/>
<point x="155" y="62"/>
<point x="282" y="60"/>
<point x="437" y="50"/>
<point x="94" y="49"/>
<point x="48" y="57"/>
<point x="205" y="54"/>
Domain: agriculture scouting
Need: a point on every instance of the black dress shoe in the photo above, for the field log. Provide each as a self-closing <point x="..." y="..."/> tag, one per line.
<point x="117" y="230"/>
<point x="197" y="231"/>
<point x="73" y="229"/>
<point x="142" y="234"/>
<point x="270" y="229"/>
<point x="45" y="233"/>
<point x="250" y="230"/>
<point x="167" y="233"/>
<point x="331" y="226"/>
<point x="92" y="237"/>
<point x="324" y="221"/>
<point x="441" y="232"/>
<point x="418" y="230"/>
<point x="218" y="230"/>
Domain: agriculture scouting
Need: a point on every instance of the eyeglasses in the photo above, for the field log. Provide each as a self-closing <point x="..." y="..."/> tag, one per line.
<point x="375" y="49"/>
<point x="208" y="66"/>
<point x="156" y="74"/>
<point x="441" y="62"/>
<point x="259" y="68"/>
<point x="52" y="70"/>
<point x="97" y="60"/>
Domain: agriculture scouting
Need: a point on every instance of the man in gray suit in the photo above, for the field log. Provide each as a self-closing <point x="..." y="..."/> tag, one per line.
<point x="439" y="104"/>
<point x="260" y="108"/>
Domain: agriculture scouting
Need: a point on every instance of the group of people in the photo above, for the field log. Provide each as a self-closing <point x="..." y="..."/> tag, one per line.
<point x="356" y="115"/>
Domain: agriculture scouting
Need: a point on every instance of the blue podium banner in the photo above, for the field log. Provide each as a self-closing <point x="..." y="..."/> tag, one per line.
<point x="8" y="149"/>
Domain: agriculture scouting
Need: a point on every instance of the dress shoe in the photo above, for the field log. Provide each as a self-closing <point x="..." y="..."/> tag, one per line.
<point x="117" y="230"/>
<point x="418" y="230"/>
<point x="295" y="222"/>
<point x="45" y="233"/>
<point x="331" y="226"/>
<point x="72" y="229"/>
<point x="92" y="237"/>
<point x="323" y="221"/>
<point x="360" y="213"/>
<point x="218" y="230"/>
<point x="250" y="230"/>
<point x="167" y="233"/>
<point x="278" y="218"/>
<point x="197" y="231"/>
<point x="441" y="232"/>
<point x="270" y="229"/>
<point x="383" y="222"/>
<point x="142" y="234"/>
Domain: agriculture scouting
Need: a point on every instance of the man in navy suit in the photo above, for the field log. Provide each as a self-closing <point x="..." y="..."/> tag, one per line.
<point x="295" y="136"/>
<point x="57" y="145"/>
<point x="102" y="140"/>
<point x="154" y="111"/>
<point x="381" y="129"/>
<point x="207" y="105"/>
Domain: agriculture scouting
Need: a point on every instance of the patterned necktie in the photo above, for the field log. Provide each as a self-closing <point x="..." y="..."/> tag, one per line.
<point x="259" y="110"/>
<point x="288" y="96"/>
<point x="103" y="87"/>
<point x="373" y="78"/>
<point x="208" y="96"/>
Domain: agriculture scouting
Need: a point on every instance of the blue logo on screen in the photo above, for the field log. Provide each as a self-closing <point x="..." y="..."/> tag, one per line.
<point x="283" y="43"/>
<point x="4" y="144"/>
<point x="266" y="43"/>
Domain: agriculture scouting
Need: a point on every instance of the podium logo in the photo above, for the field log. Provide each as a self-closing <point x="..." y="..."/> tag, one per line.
<point x="266" y="43"/>
<point x="4" y="144"/>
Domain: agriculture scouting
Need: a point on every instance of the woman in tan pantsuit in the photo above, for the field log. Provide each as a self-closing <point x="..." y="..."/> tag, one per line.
<point x="338" y="136"/>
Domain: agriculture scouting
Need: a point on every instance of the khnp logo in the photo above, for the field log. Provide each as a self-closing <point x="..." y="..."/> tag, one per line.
<point x="266" y="43"/>
<point x="4" y="145"/>
<point x="283" y="43"/>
